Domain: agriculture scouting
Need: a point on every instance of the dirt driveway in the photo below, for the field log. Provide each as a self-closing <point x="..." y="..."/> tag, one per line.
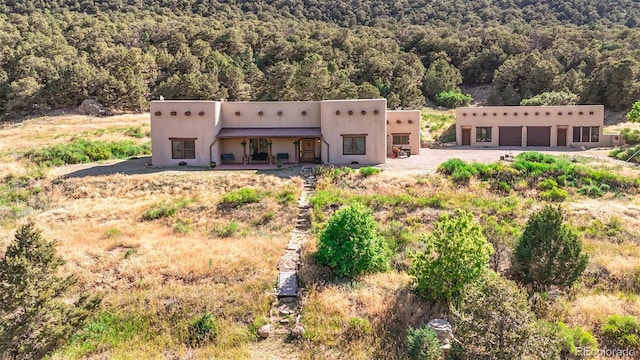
<point x="426" y="162"/>
<point x="429" y="159"/>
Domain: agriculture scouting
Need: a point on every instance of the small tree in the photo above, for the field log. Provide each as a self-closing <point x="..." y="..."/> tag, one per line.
<point x="493" y="319"/>
<point x="350" y="243"/>
<point x="548" y="253"/>
<point x="34" y="318"/>
<point x="423" y="344"/>
<point x="455" y="253"/>
<point x="634" y="114"/>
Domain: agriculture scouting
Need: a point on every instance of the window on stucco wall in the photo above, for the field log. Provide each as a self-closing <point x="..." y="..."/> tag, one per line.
<point x="483" y="134"/>
<point x="354" y="145"/>
<point x="183" y="148"/>
<point x="586" y="133"/>
<point x="401" y="139"/>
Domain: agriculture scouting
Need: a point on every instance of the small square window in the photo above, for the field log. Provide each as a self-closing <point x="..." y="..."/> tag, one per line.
<point x="354" y="145"/>
<point x="183" y="148"/>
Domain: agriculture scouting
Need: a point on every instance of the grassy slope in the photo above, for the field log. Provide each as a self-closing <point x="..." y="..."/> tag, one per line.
<point x="155" y="276"/>
<point x="158" y="275"/>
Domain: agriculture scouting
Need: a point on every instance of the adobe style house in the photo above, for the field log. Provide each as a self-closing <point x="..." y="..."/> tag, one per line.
<point x="547" y="126"/>
<point x="331" y="131"/>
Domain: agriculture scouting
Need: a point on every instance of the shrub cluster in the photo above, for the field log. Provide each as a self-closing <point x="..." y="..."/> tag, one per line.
<point x="547" y="173"/>
<point x="627" y="153"/>
<point x="452" y="99"/>
<point x="83" y="151"/>
<point x="245" y="195"/>
<point x="624" y="330"/>
<point x="368" y="171"/>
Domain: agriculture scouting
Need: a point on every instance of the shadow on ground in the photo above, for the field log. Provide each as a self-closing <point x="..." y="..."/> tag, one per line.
<point x="142" y="165"/>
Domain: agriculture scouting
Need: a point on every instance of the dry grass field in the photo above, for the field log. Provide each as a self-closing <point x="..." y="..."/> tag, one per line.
<point x="155" y="275"/>
<point x="165" y="247"/>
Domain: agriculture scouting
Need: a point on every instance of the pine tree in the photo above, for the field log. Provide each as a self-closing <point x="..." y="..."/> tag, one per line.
<point x="548" y="253"/>
<point x="34" y="317"/>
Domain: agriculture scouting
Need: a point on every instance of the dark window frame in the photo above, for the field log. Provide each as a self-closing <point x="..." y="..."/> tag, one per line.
<point x="354" y="150"/>
<point x="586" y="134"/>
<point x="186" y="151"/>
<point x="483" y="134"/>
<point x="401" y="137"/>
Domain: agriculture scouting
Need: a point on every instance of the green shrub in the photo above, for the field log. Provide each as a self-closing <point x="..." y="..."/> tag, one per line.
<point x="624" y="330"/>
<point x="158" y="211"/>
<point x="574" y="339"/>
<point x="239" y="197"/>
<point x="202" y="330"/>
<point x="351" y="245"/>
<point x="112" y="233"/>
<point x="423" y="344"/>
<point x="368" y="171"/>
<point x="458" y="170"/>
<point x="357" y="328"/>
<point x="549" y="252"/>
<point x="631" y="137"/>
<point x="287" y="196"/>
<point x="135" y="132"/>
<point x="555" y="194"/>
<point x="164" y="209"/>
<point x="183" y="226"/>
<point x="455" y="254"/>
<point x="547" y="184"/>
<point x="452" y="99"/>
<point x="226" y="230"/>
<point x="83" y="151"/>
<point x="593" y="191"/>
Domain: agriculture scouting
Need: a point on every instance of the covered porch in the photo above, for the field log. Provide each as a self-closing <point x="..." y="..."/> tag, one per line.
<point x="268" y="146"/>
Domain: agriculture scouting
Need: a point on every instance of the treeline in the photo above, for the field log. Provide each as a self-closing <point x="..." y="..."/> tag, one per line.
<point x="54" y="58"/>
<point x="365" y="12"/>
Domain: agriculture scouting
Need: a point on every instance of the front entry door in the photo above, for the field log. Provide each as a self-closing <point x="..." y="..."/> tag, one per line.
<point x="466" y="136"/>
<point x="308" y="150"/>
<point x="562" y="136"/>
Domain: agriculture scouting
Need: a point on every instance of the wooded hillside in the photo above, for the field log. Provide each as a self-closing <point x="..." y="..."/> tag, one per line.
<point x="54" y="54"/>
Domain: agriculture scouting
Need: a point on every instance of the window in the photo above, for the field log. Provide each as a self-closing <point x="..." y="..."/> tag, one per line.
<point x="483" y="134"/>
<point x="354" y="144"/>
<point x="586" y="134"/>
<point x="258" y="146"/>
<point x="401" y="139"/>
<point x="183" y="148"/>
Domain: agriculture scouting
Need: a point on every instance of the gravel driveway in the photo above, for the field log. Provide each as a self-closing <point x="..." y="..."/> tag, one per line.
<point x="429" y="159"/>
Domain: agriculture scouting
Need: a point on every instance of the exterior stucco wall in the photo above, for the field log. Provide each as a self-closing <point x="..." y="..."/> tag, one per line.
<point x="274" y="114"/>
<point x="553" y="116"/>
<point x="368" y="117"/>
<point x="404" y="122"/>
<point x="184" y="119"/>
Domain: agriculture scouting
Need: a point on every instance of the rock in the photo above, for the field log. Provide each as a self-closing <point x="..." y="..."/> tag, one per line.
<point x="297" y="332"/>
<point x="93" y="108"/>
<point x="443" y="330"/>
<point x="264" y="331"/>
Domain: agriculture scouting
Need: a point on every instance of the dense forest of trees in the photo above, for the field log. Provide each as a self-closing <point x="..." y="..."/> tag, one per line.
<point x="54" y="54"/>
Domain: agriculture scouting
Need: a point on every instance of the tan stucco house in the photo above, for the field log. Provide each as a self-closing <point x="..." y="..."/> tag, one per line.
<point x="546" y="126"/>
<point x="330" y="131"/>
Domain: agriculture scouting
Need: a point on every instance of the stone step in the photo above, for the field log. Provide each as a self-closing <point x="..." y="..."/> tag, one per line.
<point x="287" y="284"/>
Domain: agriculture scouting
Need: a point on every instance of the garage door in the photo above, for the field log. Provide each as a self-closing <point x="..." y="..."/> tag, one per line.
<point x="539" y="136"/>
<point x="510" y="136"/>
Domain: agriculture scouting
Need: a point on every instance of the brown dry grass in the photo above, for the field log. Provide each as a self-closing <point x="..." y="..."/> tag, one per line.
<point x="156" y="276"/>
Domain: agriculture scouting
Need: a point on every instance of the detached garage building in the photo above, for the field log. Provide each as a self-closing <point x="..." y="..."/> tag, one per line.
<point x="536" y="126"/>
